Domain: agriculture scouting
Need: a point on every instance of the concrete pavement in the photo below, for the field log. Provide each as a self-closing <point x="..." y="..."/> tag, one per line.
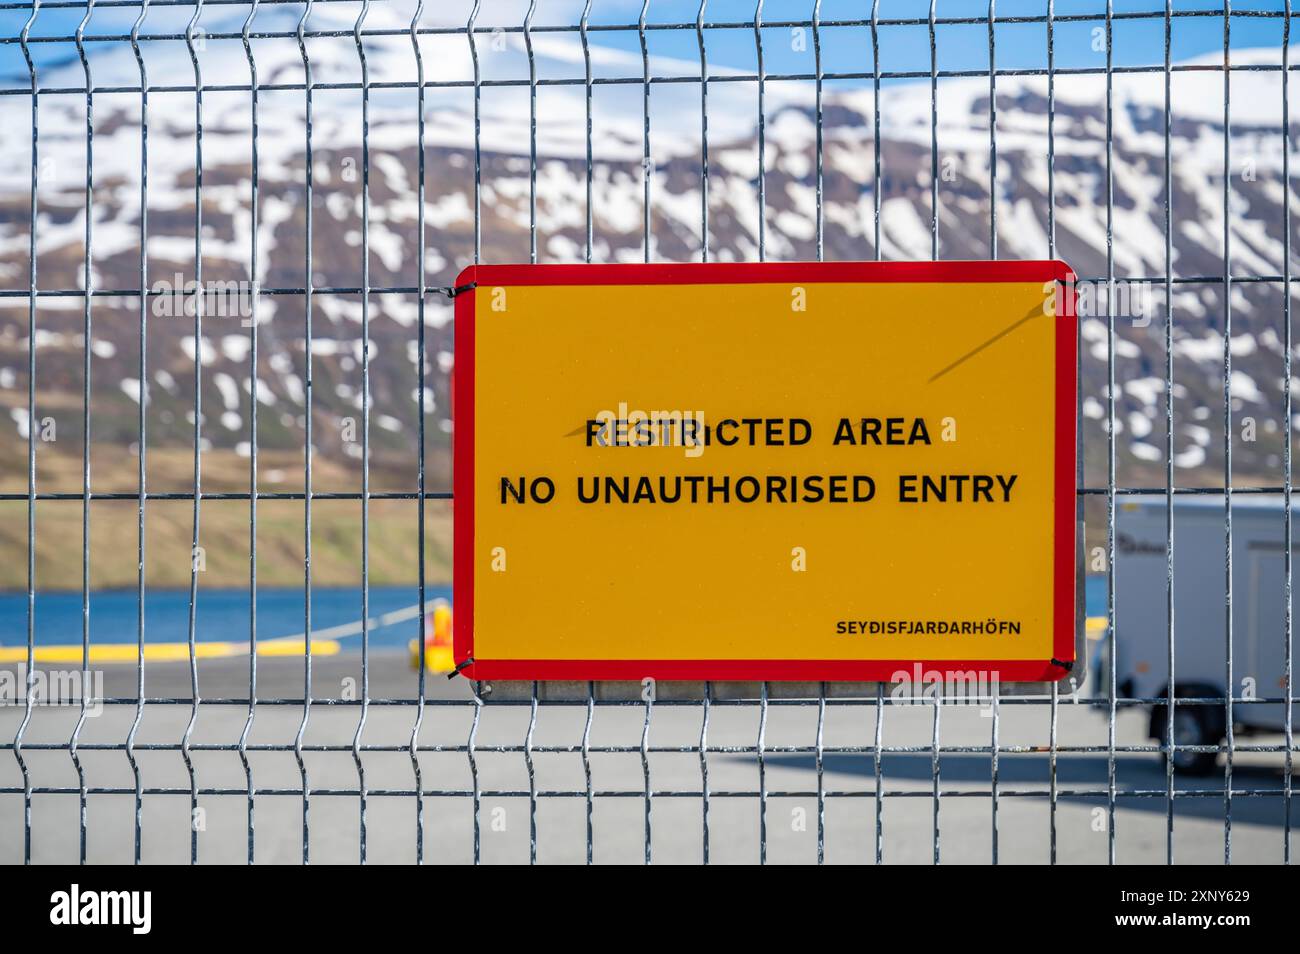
<point x="965" y="816"/>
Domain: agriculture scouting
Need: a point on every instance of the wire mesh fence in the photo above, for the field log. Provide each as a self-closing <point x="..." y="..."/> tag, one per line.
<point x="228" y="277"/>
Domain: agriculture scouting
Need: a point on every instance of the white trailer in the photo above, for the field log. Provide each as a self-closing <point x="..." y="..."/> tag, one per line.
<point x="1259" y="632"/>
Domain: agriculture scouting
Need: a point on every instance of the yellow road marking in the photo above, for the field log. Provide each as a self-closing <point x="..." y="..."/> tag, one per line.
<point x="438" y="658"/>
<point x="163" y="652"/>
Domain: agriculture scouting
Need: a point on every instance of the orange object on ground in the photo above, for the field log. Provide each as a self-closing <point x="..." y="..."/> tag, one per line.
<point x="437" y="640"/>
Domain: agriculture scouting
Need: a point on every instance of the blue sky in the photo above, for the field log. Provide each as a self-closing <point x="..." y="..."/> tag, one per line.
<point x="961" y="47"/>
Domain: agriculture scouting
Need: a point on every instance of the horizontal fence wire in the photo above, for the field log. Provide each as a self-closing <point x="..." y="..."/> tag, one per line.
<point x="475" y="706"/>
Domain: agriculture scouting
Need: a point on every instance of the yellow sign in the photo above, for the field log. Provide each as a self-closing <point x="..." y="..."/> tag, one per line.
<point x="784" y="471"/>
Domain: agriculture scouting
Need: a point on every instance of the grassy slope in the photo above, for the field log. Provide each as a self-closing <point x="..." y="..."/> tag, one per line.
<point x="224" y="534"/>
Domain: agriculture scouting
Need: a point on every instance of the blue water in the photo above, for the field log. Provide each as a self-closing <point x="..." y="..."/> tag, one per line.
<point x="221" y="615"/>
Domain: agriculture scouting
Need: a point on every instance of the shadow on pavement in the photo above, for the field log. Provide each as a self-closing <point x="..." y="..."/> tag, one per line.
<point x="961" y="771"/>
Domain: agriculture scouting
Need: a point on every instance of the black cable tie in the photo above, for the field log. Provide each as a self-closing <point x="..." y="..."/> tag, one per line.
<point x="451" y="291"/>
<point x="469" y="661"/>
<point x="1067" y="666"/>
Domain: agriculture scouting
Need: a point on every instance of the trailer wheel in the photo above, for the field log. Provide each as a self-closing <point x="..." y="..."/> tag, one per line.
<point x="1191" y="727"/>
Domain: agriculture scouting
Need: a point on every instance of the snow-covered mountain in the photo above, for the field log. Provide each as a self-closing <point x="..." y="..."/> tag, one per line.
<point x="1257" y="198"/>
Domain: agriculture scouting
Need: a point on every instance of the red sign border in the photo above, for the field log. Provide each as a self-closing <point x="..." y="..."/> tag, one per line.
<point x="1064" y="620"/>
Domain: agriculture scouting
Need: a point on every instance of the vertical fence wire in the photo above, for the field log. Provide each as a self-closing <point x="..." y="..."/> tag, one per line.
<point x="87" y="281"/>
<point x="762" y="774"/>
<point x="191" y="631"/>
<point x="142" y="450"/>
<point x="1288" y="636"/>
<point x="704" y="133"/>
<point x="422" y="388"/>
<point x="762" y="132"/>
<point x="934" y="136"/>
<point x="875" y="122"/>
<point x="475" y="784"/>
<point x="254" y="394"/>
<point x="820" y="764"/>
<point x="308" y="282"/>
<point x="532" y="131"/>
<point x="877" y="765"/>
<point x="532" y="779"/>
<point x="478" y="132"/>
<point x="645" y="769"/>
<point x="647" y="161"/>
<point x="819" y="227"/>
<point x="1051" y="254"/>
<point x="1228" y="690"/>
<point x="589" y="172"/>
<point x="586" y="772"/>
<point x="1169" y="433"/>
<point x="29" y="673"/>
<point x="704" y="772"/>
<point x="365" y="425"/>
<point x="1110" y="435"/>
